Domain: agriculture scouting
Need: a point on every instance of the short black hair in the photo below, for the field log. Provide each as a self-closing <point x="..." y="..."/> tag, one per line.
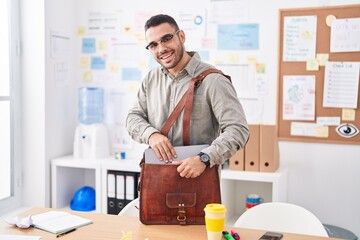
<point x="159" y="19"/>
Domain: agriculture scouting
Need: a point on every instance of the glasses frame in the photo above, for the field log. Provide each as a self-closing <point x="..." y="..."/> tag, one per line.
<point x="163" y="40"/>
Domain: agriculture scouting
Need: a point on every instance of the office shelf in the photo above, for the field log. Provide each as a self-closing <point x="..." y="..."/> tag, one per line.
<point x="235" y="185"/>
<point x="70" y="174"/>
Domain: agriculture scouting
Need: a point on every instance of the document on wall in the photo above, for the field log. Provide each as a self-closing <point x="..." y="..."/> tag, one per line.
<point x="299" y="97"/>
<point x="58" y="222"/>
<point x="345" y="35"/>
<point x="299" y="38"/>
<point x="341" y="84"/>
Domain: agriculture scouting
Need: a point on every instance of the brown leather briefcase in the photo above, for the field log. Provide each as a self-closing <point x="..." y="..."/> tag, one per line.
<point x="165" y="196"/>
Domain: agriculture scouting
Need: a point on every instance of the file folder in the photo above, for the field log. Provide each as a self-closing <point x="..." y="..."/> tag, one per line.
<point x="111" y="193"/>
<point x="252" y="149"/>
<point x="120" y="192"/>
<point x="269" y="149"/>
<point x="122" y="189"/>
<point x="237" y="161"/>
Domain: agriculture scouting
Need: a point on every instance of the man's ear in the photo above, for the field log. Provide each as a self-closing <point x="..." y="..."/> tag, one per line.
<point x="182" y="36"/>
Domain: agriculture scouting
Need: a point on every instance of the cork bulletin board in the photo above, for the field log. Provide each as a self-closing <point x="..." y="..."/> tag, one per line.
<point x="299" y="68"/>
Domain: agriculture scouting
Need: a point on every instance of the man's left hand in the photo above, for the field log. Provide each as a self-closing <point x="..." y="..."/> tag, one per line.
<point x="190" y="167"/>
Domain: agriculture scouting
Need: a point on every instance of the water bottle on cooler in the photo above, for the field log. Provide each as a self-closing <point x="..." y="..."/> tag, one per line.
<point x="91" y="105"/>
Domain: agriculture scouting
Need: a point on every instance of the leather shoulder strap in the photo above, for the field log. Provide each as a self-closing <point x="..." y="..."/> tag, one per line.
<point x="187" y="100"/>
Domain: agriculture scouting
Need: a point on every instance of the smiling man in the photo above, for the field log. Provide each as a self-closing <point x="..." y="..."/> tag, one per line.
<point x="217" y="117"/>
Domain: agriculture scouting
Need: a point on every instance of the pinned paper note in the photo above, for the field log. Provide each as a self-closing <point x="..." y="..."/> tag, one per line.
<point x="348" y="114"/>
<point x="322" y="58"/>
<point x="322" y="131"/>
<point x="312" y="65"/>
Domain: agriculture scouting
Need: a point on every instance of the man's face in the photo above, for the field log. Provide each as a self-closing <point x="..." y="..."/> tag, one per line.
<point x="166" y="44"/>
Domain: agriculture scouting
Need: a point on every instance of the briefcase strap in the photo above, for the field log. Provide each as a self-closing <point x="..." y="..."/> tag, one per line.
<point x="187" y="102"/>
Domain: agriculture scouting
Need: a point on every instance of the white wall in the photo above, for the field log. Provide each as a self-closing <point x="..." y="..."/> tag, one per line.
<point x="49" y="107"/>
<point x="322" y="177"/>
<point x="33" y="103"/>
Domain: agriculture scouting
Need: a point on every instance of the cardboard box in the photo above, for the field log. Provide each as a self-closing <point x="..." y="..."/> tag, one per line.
<point x="269" y="148"/>
<point x="252" y="149"/>
<point x="237" y="161"/>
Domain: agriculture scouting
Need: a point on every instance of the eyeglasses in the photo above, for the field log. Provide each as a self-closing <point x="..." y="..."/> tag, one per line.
<point x="165" y="41"/>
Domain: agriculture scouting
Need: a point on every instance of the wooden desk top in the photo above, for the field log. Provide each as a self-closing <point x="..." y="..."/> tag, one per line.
<point x="110" y="227"/>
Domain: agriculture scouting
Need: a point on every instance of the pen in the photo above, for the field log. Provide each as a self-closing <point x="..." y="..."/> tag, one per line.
<point x="227" y="235"/>
<point x="64" y="233"/>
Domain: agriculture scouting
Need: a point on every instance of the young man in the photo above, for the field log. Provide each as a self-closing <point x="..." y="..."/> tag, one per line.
<point x="217" y="116"/>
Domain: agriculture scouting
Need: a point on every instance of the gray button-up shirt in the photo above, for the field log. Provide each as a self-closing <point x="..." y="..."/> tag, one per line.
<point x="217" y="116"/>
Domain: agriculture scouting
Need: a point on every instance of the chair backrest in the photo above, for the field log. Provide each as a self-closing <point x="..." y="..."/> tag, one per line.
<point x="131" y="209"/>
<point x="281" y="217"/>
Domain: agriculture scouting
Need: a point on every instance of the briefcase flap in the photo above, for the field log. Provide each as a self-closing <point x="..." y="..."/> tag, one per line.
<point x="173" y="200"/>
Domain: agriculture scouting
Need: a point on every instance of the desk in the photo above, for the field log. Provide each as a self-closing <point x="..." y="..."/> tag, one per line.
<point x="113" y="227"/>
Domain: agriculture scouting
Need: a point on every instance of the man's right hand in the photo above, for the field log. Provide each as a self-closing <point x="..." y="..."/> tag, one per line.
<point x="162" y="146"/>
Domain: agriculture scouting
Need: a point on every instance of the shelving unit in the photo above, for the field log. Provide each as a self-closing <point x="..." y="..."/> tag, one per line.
<point x="70" y="174"/>
<point x="235" y="185"/>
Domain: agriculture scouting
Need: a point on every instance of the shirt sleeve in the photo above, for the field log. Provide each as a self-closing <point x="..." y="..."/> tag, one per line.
<point x="229" y="113"/>
<point x="137" y="123"/>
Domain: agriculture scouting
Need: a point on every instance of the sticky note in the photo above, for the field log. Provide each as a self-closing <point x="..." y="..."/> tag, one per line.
<point x="348" y="114"/>
<point x="84" y="62"/>
<point x="322" y="58"/>
<point x="312" y="65"/>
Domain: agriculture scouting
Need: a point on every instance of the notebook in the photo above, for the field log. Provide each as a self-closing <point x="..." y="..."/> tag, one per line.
<point x="181" y="151"/>
<point x="58" y="222"/>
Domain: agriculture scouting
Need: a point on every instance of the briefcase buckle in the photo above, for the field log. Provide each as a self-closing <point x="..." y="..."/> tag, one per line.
<point x="181" y="215"/>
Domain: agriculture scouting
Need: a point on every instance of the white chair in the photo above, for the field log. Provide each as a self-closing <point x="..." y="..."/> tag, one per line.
<point x="281" y="217"/>
<point x="131" y="209"/>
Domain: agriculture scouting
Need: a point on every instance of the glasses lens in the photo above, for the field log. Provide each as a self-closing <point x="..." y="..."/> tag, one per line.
<point x="165" y="40"/>
<point x="151" y="46"/>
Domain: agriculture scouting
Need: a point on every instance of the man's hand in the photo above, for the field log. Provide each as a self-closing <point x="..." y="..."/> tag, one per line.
<point x="162" y="146"/>
<point x="190" y="167"/>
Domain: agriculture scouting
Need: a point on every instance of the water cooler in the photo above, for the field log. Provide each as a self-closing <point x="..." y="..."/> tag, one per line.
<point x="91" y="140"/>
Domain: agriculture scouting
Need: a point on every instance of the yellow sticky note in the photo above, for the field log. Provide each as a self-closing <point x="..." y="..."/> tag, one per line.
<point x="322" y="131"/>
<point x="87" y="76"/>
<point x="322" y="58"/>
<point x="312" y="65"/>
<point x="84" y="62"/>
<point x="251" y="60"/>
<point x="103" y="45"/>
<point x="233" y="58"/>
<point x="348" y="114"/>
<point x="134" y="88"/>
<point x="81" y="31"/>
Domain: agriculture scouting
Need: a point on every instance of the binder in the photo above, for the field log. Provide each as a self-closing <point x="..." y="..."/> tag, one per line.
<point x="122" y="189"/>
<point x="111" y="193"/>
<point x="130" y="187"/>
<point x="237" y="162"/>
<point x="269" y="148"/>
<point x="120" y="192"/>
<point x="252" y="149"/>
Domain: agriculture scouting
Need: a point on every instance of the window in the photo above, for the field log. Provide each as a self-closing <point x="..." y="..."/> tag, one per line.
<point x="9" y="96"/>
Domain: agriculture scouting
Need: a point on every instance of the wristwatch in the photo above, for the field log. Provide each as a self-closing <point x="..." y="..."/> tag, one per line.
<point x="204" y="158"/>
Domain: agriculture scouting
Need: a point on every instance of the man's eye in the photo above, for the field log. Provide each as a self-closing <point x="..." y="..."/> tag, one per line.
<point x="167" y="38"/>
<point x="153" y="45"/>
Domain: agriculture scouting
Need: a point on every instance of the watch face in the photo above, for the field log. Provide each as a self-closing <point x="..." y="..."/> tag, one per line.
<point x="204" y="158"/>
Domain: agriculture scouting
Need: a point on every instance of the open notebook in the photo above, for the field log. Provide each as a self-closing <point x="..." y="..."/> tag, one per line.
<point x="58" y="222"/>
